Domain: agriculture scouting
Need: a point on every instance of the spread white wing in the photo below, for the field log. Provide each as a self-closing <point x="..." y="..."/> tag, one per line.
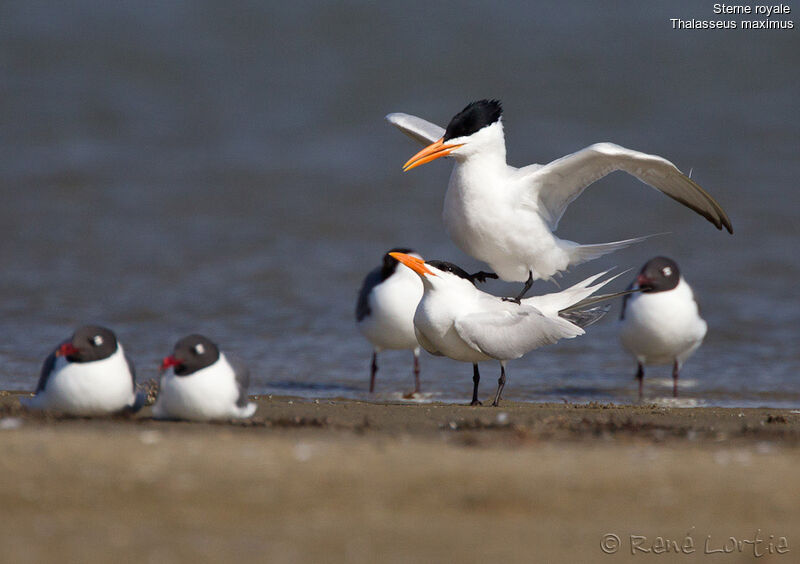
<point x="508" y="333"/>
<point x="558" y="183"/>
<point x="421" y="131"/>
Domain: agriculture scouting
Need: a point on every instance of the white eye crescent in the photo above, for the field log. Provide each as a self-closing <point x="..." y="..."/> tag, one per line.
<point x="199" y="348"/>
<point x="666" y="271"/>
<point x="97" y="340"/>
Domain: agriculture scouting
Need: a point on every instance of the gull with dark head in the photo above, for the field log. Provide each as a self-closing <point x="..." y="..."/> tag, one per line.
<point x="661" y="324"/>
<point x="203" y="384"/>
<point x="385" y="311"/>
<point x="88" y="374"/>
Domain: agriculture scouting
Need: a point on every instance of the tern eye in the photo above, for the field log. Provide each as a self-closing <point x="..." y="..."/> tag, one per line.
<point x="199" y="349"/>
<point x="666" y="271"/>
<point x="97" y="340"/>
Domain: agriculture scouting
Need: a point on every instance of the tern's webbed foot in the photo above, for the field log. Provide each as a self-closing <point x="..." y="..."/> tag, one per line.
<point x="517" y="300"/>
<point x="473" y="403"/>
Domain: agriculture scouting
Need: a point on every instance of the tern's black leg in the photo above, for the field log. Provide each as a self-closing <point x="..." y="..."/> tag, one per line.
<point x="640" y="378"/>
<point x="416" y="371"/>
<point x="675" y="370"/>
<point x="476" y="378"/>
<point x="482" y="276"/>
<point x="501" y="383"/>
<point x="528" y="284"/>
<point x="373" y="370"/>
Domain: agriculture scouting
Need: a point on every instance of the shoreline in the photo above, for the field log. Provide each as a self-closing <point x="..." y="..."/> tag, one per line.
<point x="342" y="480"/>
<point x="535" y="421"/>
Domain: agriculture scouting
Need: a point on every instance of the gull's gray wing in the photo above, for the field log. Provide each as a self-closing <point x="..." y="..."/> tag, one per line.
<point x="625" y="299"/>
<point x="362" y="306"/>
<point x="558" y="183"/>
<point x="242" y="374"/>
<point x="420" y="130"/>
<point x="131" y="368"/>
<point x="47" y="368"/>
<point x="510" y="332"/>
<point x="140" y="398"/>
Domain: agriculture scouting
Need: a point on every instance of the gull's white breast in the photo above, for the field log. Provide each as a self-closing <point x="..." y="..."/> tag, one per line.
<point x="661" y="327"/>
<point x="209" y="393"/>
<point x="392" y="303"/>
<point x="88" y="388"/>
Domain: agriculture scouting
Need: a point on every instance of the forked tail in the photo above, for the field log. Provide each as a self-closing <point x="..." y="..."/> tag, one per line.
<point x="576" y="304"/>
<point x="566" y="300"/>
<point x="584" y="253"/>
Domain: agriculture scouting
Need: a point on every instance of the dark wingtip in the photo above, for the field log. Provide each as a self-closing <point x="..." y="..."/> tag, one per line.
<point x="723" y="221"/>
<point x="720" y="219"/>
<point x="724" y="224"/>
<point x="585" y="317"/>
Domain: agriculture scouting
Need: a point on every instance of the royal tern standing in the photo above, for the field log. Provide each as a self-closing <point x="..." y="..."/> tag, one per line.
<point x="385" y="311"/>
<point x="457" y="320"/>
<point x="662" y="323"/>
<point x="203" y="384"/>
<point x="88" y="374"/>
<point x="505" y="216"/>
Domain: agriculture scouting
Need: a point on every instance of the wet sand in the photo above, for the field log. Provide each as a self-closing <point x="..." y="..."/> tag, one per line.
<point x="347" y="481"/>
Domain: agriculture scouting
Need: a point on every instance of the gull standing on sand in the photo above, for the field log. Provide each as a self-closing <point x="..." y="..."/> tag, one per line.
<point x="662" y="323"/>
<point x="88" y="374"/>
<point x="505" y="216"/>
<point x="385" y="311"/>
<point x="457" y="320"/>
<point x="203" y="384"/>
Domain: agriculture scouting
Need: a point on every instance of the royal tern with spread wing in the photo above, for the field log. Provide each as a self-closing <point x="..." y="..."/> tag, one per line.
<point x="662" y="323"/>
<point x="505" y="216"/>
<point x="457" y="320"/>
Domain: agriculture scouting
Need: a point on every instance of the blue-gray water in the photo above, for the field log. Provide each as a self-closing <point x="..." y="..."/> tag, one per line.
<point x="225" y="168"/>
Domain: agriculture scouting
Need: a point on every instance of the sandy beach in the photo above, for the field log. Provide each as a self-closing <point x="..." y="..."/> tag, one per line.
<point x="345" y="481"/>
